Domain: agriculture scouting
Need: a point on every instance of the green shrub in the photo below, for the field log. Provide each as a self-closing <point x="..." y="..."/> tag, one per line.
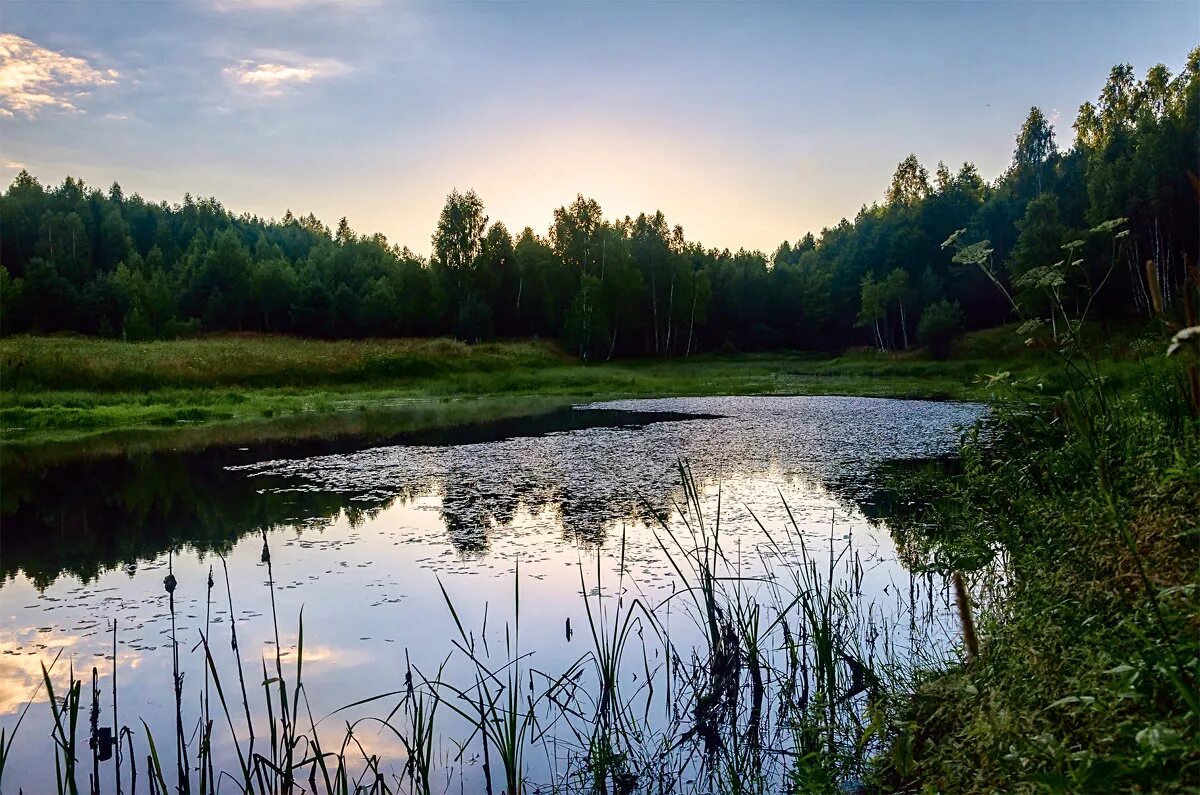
<point x="940" y="325"/>
<point x="1079" y="511"/>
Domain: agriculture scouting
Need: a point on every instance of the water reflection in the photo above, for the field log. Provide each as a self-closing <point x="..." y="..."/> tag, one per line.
<point x="21" y="658"/>
<point x="578" y="465"/>
<point x="86" y="517"/>
<point x="598" y="476"/>
<point x="358" y="536"/>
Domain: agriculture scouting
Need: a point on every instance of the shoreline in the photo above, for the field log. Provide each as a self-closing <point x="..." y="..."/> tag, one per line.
<point x="332" y="390"/>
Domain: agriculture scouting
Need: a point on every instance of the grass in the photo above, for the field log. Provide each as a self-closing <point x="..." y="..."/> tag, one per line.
<point x="104" y="396"/>
<point x="361" y="422"/>
<point x="249" y="362"/>
<point x="1082" y="512"/>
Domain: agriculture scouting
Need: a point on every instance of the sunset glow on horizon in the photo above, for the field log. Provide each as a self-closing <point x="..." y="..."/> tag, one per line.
<point x="747" y="124"/>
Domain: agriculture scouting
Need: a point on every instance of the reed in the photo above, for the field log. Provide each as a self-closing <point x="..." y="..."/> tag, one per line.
<point x="65" y="716"/>
<point x="739" y="684"/>
<point x="506" y="720"/>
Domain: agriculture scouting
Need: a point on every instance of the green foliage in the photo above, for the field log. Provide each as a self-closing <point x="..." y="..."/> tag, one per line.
<point x="459" y="236"/>
<point x="1040" y="237"/>
<point x="82" y="260"/>
<point x="1035" y="155"/>
<point x="941" y="323"/>
<point x="910" y="183"/>
<point x="223" y="387"/>
<point x="1077" y="515"/>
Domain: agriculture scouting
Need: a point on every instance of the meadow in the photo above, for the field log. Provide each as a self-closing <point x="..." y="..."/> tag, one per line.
<point x="105" y="394"/>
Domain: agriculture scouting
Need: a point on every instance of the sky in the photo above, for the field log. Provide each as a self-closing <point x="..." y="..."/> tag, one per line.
<point x="747" y="123"/>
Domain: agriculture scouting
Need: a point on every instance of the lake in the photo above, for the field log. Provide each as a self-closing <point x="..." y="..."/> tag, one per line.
<point x="576" y="512"/>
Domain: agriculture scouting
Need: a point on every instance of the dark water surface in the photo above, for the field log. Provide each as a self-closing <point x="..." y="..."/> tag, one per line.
<point x="360" y="537"/>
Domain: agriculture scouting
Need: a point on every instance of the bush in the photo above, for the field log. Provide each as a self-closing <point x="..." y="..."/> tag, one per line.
<point x="1074" y="519"/>
<point x="475" y="320"/>
<point x="940" y="325"/>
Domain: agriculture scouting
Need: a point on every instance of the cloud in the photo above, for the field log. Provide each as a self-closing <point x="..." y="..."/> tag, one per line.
<point x="284" y="5"/>
<point x="277" y="73"/>
<point x="34" y="79"/>
<point x="15" y="165"/>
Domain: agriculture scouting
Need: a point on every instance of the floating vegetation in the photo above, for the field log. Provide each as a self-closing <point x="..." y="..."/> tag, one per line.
<point x="762" y="669"/>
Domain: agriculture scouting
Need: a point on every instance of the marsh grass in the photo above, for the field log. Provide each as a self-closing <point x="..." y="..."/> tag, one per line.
<point x="495" y="702"/>
<point x="68" y="363"/>
<point x="1085" y="676"/>
<point x="114" y="396"/>
<point x="733" y="682"/>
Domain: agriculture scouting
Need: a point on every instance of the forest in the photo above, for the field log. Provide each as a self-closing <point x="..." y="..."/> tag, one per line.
<point x="1112" y="220"/>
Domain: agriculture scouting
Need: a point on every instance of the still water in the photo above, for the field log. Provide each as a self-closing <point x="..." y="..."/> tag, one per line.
<point x="550" y="508"/>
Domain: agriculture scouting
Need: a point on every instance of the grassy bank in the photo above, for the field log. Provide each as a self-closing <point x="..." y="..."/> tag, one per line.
<point x="1082" y="513"/>
<point x="240" y="389"/>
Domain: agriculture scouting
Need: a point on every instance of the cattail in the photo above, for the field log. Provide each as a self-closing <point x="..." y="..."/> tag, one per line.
<point x="970" y="639"/>
<point x="94" y="742"/>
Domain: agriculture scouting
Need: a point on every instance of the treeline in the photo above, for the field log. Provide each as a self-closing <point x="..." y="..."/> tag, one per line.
<point x="74" y="258"/>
